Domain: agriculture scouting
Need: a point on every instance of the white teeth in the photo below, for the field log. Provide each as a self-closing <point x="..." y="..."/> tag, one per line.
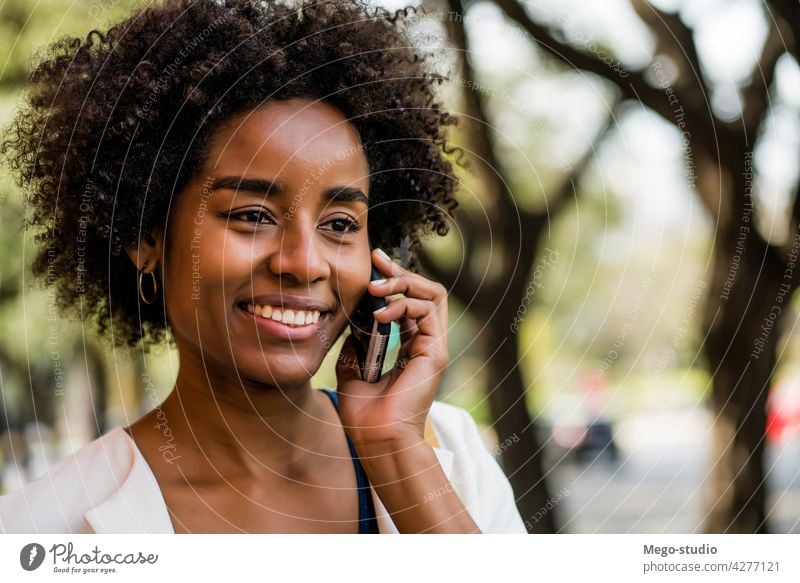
<point x="286" y="316"/>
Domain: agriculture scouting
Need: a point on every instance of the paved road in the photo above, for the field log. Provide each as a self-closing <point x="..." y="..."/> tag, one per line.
<point x="656" y="486"/>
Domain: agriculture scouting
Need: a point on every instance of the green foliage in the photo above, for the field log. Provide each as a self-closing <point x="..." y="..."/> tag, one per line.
<point x="27" y="26"/>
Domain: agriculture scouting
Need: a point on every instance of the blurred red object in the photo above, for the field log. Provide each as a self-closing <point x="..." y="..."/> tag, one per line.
<point x="783" y="410"/>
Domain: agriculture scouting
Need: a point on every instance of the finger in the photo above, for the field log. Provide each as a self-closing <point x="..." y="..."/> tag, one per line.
<point x="411" y="285"/>
<point x="426" y="314"/>
<point x="408" y="329"/>
<point x="408" y="326"/>
<point x="432" y="347"/>
<point x="385" y="265"/>
<point x="389" y="268"/>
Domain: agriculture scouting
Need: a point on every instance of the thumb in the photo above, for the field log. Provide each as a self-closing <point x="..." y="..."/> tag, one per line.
<point x="347" y="364"/>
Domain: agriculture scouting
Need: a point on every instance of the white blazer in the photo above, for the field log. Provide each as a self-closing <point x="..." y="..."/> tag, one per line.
<point x="108" y="487"/>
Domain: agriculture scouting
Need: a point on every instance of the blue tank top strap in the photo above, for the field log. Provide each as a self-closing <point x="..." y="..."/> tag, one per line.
<point x="367" y="522"/>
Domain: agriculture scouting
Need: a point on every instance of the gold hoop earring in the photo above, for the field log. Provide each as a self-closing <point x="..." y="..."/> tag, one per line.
<point x="155" y="287"/>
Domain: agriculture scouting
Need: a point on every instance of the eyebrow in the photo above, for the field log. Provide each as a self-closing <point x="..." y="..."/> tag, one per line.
<point x="268" y="187"/>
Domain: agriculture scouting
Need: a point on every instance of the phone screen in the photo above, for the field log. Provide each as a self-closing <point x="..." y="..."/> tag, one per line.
<point x="371" y="338"/>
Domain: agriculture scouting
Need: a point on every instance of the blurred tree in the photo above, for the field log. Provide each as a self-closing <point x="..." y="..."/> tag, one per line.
<point x="36" y="349"/>
<point x="501" y="242"/>
<point x="753" y="277"/>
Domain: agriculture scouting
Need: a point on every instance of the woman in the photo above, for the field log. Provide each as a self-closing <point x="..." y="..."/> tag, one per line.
<point x="216" y="174"/>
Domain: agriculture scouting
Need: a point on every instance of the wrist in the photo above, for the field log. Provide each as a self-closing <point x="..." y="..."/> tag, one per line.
<point x="389" y="445"/>
<point x="412" y="485"/>
<point x="399" y="462"/>
<point x="396" y="439"/>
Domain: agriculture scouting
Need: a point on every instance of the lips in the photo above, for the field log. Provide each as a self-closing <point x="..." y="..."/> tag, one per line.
<point x="284" y="301"/>
<point x="285" y="317"/>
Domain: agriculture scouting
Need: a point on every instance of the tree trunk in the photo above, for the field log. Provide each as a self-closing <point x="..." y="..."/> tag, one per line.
<point x="522" y="462"/>
<point x="747" y="299"/>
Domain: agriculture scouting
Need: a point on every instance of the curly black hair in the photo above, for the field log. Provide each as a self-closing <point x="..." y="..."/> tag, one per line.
<point x="115" y="124"/>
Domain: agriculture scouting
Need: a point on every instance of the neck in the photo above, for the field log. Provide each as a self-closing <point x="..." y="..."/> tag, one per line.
<point x="244" y="426"/>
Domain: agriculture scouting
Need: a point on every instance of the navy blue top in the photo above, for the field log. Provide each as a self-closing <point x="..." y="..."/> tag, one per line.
<point x="367" y="523"/>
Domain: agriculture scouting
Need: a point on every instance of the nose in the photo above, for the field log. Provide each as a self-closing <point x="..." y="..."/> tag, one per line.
<point x="298" y="254"/>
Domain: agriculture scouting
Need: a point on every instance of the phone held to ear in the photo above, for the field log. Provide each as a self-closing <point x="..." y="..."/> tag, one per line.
<point x="370" y="337"/>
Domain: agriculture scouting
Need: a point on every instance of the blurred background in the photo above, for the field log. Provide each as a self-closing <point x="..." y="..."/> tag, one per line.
<point x="621" y="270"/>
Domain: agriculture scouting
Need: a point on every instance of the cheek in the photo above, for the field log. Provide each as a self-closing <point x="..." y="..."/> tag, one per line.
<point x="199" y="257"/>
<point x="351" y="278"/>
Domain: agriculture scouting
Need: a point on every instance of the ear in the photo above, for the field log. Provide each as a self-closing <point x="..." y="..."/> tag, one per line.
<point x="148" y="253"/>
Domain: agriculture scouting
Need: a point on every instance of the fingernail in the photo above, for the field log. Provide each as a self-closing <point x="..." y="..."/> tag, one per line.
<point x="383" y="254"/>
<point x="378" y="281"/>
<point x="379" y="310"/>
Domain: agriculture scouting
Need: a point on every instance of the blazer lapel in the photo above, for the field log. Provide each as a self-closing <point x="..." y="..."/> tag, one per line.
<point x="137" y="506"/>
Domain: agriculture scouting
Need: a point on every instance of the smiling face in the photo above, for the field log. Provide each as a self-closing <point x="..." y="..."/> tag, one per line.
<point x="268" y="244"/>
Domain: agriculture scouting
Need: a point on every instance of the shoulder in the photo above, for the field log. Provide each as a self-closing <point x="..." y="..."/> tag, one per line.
<point x="57" y="501"/>
<point x="475" y="474"/>
<point x="452" y="423"/>
<point x="457" y="432"/>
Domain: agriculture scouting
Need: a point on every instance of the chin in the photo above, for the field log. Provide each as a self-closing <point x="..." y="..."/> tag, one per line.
<point x="285" y="374"/>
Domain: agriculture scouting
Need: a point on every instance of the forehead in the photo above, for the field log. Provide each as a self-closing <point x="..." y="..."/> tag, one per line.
<point x="291" y="141"/>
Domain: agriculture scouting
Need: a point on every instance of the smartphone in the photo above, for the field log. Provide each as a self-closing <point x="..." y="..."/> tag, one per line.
<point x="370" y="337"/>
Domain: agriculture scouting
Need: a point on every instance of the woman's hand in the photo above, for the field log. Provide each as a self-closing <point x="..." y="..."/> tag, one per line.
<point x="386" y="420"/>
<point x="394" y="409"/>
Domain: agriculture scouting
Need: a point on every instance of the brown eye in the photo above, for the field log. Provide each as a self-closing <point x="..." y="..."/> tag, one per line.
<point x="342" y="225"/>
<point x="253" y="216"/>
